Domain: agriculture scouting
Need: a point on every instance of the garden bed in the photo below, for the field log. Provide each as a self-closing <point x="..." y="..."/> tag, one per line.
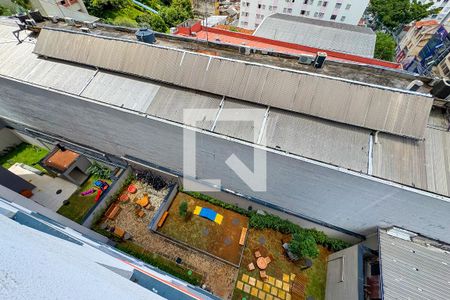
<point x="310" y="282"/>
<point x="219" y="240"/>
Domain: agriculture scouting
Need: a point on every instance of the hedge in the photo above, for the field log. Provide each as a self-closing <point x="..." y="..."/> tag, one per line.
<point x="269" y="221"/>
<point x="160" y="262"/>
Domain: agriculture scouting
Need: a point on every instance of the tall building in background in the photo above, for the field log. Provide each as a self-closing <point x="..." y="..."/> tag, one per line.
<point x="342" y="11"/>
<point x="443" y="4"/>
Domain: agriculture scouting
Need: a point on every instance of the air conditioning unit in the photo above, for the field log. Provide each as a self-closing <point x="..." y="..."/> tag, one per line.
<point x="244" y="50"/>
<point x="306" y="59"/>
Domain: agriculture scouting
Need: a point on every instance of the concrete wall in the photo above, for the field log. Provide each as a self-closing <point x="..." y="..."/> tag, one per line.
<point x="303" y="187"/>
<point x="14" y="182"/>
<point x="8" y="139"/>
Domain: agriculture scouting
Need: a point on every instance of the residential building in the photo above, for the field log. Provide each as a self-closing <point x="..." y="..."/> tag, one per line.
<point x="346" y="145"/>
<point x="326" y="35"/>
<point x="424" y="46"/>
<point x="393" y="264"/>
<point x="443" y="5"/>
<point x="340" y="11"/>
<point x="74" y="9"/>
<point x="443" y="68"/>
<point x="45" y="259"/>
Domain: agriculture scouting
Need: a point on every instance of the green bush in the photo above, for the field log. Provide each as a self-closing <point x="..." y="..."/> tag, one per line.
<point x="99" y="170"/>
<point x="161" y="263"/>
<point x="303" y="245"/>
<point x="5" y="11"/>
<point x="178" y="12"/>
<point x="109" y="4"/>
<point x="182" y="209"/>
<point x="152" y="21"/>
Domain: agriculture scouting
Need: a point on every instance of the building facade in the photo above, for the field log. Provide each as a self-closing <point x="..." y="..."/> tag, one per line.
<point x="342" y="11"/>
<point x="444" y="5"/>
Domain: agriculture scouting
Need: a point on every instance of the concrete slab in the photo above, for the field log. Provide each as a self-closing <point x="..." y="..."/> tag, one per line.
<point x="46" y="187"/>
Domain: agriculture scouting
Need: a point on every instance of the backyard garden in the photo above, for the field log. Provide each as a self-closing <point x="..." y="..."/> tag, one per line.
<point x="187" y="225"/>
<point x="23" y="153"/>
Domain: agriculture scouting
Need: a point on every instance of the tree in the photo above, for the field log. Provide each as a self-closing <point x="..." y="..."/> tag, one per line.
<point x="5" y="11"/>
<point x="99" y="170"/>
<point x="152" y="21"/>
<point x="182" y="209"/>
<point x="303" y="245"/>
<point x="385" y="46"/>
<point x="178" y="12"/>
<point x="99" y="5"/>
<point x="395" y="13"/>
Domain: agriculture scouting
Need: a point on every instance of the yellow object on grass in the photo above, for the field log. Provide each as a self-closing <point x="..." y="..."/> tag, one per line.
<point x="219" y="219"/>
<point x="197" y="210"/>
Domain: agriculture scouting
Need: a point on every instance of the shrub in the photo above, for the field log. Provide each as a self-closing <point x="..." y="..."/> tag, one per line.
<point x="182" y="209"/>
<point x="5" y="11"/>
<point x="152" y="21"/>
<point x="109" y="4"/>
<point x="99" y="170"/>
<point x="303" y="245"/>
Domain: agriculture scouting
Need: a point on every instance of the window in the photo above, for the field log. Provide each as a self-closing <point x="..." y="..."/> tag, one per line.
<point x="261" y="6"/>
<point x="321" y="15"/>
<point x="307" y="13"/>
<point x="342" y="18"/>
<point x="273" y="8"/>
<point x="325" y="3"/>
<point x="316" y="14"/>
<point x="244" y="23"/>
<point x="287" y="10"/>
<point x="319" y="3"/>
<point x="258" y="16"/>
<point x="333" y="17"/>
<point x="305" y="2"/>
<point x="348" y="6"/>
<point x="338" y="5"/>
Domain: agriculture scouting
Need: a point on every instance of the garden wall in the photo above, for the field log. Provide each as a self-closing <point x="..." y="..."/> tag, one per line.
<point x="173" y="190"/>
<point x="103" y="203"/>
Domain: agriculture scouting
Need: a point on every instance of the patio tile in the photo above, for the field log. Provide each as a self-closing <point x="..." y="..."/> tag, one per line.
<point x="278" y="284"/>
<point x="281" y="294"/>
<point x="261" y="295"/>
<point x="259" y="284"/>
<point x="266" y="288"/>
<point x="286" y="286"/>
<point x="240" y="285"/>
<point x="285" y="277"/>
<point x="288" y="296"/>
<point x="247" y="288"/>
<point x="252" y="281"/>
<point x="254" y="292"/>
<point x="271" y="280"/>
<point x="244" y="277"/>
<point x="274" y="291"/>
<point x="269" y="297"/>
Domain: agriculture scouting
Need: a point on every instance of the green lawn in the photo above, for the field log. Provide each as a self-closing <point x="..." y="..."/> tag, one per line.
<point x="26" y="154"/>
<point x="79" y="205"/>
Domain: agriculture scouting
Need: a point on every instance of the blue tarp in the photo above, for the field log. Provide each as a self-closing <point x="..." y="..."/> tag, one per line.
<point x="208" y="213"/>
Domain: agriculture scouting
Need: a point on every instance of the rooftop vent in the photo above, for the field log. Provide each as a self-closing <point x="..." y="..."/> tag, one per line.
<point x="146" y="35"/>
<point x="441" y="89"/>
<point x="414" y="85"/>
<point x="320" y="60"/>
<point x="85" y="29"/>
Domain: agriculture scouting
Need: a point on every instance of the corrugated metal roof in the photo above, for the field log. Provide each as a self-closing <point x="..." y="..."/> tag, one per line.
<point x="411" y="270"/>
<point x="394" y="111"/>
<point x="422" y="164"/>
<point x="337" y="144"/>
<point x="321" y="34"/>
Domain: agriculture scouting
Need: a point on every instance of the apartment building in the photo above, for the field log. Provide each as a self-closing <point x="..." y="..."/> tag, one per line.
<point x="444" y="5"/>
<point x="341" y="11"/>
